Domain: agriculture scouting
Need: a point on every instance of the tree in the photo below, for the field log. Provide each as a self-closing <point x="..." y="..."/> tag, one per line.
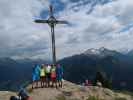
<point x="101" y="77"/>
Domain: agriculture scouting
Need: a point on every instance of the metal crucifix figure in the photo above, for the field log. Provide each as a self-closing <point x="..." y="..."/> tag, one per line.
<point x="51" y="21"/>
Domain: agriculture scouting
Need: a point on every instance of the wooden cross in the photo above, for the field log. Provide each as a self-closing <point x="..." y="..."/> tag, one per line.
<point x="52" y="22"/>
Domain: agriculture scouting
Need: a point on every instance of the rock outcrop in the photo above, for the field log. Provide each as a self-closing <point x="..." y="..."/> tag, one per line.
<point x="71" y="91"/>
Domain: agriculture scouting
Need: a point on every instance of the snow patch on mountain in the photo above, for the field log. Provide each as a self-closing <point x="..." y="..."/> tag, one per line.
<point x="101" y="52"/>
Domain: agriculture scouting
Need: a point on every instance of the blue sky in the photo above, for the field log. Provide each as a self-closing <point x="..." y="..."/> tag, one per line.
<point x="94" y="24"/>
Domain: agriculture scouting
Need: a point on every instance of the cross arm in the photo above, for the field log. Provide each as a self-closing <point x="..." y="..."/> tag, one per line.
<point x="61" y="22"/>
<point x="41" y="21"/>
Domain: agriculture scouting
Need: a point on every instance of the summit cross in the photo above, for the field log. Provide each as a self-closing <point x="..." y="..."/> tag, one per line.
<point x="52" y="22"/>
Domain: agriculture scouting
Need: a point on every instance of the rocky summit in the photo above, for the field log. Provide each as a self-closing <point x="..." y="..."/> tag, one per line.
<point x="71" y="91"/>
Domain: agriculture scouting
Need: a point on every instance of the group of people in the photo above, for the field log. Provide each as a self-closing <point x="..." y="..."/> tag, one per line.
<point x="47" y="75"/>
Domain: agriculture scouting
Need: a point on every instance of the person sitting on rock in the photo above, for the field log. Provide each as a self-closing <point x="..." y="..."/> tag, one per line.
<point x="99" y="84"/>
<point x="14" y="98"/>
<point x="88" y="82"/>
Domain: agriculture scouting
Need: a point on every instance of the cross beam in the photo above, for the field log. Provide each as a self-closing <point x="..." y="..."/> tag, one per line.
<point x="51" y="21"/>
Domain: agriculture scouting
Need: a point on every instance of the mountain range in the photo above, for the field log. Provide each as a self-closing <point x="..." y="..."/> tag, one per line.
<point x="116" y="66"/>
<point x="15" y="73"/>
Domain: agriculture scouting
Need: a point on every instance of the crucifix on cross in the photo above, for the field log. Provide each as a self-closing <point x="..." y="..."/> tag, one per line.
<point x="52" y="21"/>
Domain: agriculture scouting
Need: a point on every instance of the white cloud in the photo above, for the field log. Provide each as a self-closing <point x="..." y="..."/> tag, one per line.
<point x="20" y="36"/>
<point x="18" y="31"/>
<point x="99" y="28"/>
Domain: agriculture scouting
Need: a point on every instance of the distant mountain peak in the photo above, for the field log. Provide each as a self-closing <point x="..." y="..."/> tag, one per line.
<point x="101" y="52"/>
<point x="102" y="49"/>
<point x="7" y="59"/>
<point x="92" y="51"/>
<point x="130" y="53"/>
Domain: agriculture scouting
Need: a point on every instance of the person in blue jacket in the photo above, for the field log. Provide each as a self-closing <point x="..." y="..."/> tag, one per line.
<point x="59" y="74"/>
<point x="35" y="75"/>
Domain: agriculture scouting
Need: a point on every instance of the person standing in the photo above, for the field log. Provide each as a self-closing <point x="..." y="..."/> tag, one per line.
<point x="42" y="75"/>
<point x="35" y="76"/>
<point x="59" y="75"/>
<point x="53" y="75"/>
<point x="48" y="69"/>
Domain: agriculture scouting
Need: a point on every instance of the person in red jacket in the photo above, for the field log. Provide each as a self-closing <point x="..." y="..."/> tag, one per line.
<point x="53" y="75"/>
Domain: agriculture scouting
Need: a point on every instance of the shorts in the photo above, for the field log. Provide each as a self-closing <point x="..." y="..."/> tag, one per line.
<point x="42" y="77"/>
<point x="58" y="77"/>
<point x="48" y="76"/>
<point x="53" y="78"/>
